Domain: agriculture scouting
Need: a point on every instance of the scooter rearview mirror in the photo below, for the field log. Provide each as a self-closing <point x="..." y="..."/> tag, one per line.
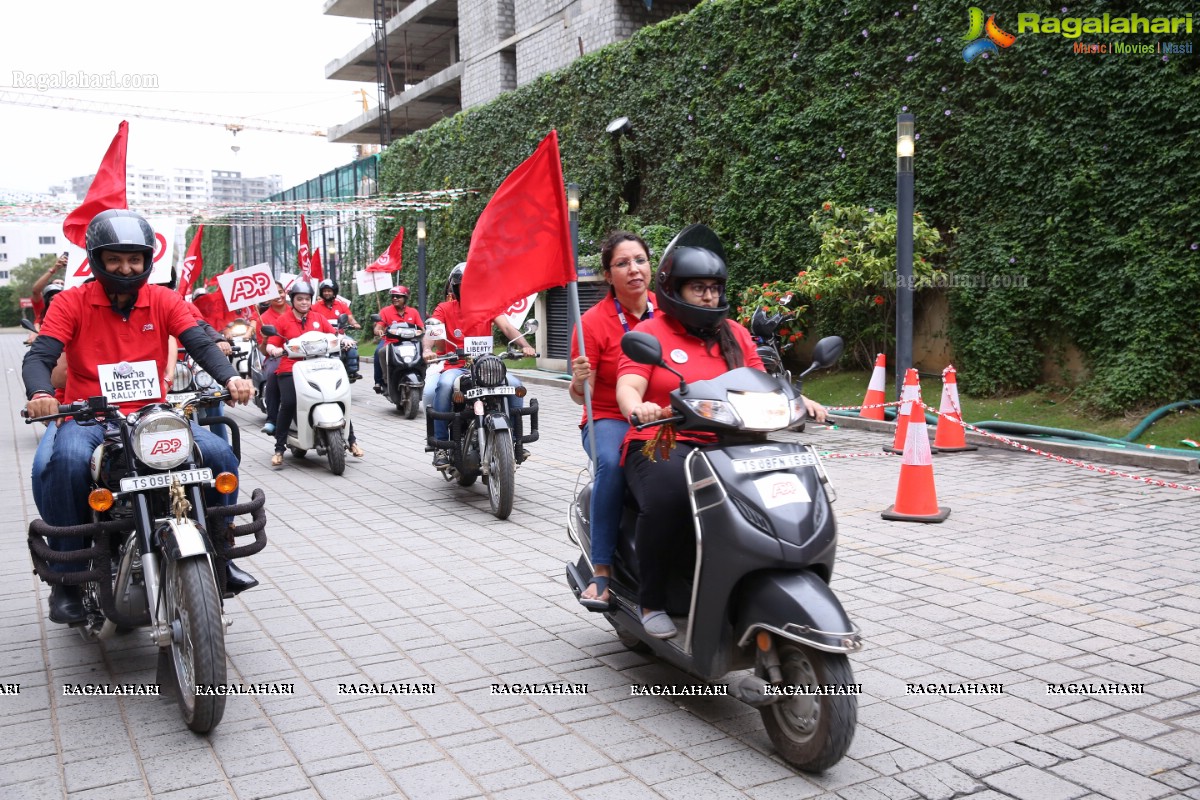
<point x="645" y="349"/>
<point x="376" y="318"/>
<point x="268" y="330"/>
<point x="826" y="353"/>
<point x="27" y="325"/>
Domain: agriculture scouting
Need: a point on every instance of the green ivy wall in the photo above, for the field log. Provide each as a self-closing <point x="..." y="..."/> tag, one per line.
<point x="1073" y="173"/>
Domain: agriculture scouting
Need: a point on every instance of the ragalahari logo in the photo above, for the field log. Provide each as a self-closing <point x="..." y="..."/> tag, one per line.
<point x="984" y="37"/>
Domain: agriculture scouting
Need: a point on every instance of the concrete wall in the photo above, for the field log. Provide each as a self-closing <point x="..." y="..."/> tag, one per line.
<point x="482" y="25"/>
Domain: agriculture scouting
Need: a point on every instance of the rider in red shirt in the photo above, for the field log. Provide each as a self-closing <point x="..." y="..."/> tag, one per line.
<point x="398" y="311"/>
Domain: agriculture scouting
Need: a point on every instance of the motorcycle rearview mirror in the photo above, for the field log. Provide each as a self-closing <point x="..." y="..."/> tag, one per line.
<point x="825" y="354"/>
<point x="29" y="326"/>
<point x="531" y="326"/>
<point x="645" y="349"/>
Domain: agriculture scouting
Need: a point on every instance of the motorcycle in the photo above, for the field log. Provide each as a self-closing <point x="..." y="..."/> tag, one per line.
<point x="486" y="432"/>
<point x="322" y="398"/>
<point x="158" y="552"/>
<point x="758" y="596"/>
<point x="403" y="369"/>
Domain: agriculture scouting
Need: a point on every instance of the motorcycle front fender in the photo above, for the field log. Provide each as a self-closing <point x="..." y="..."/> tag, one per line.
<point x="797" y="605"/>
<point x="328" y="415"/>
<point x="181" y="539"/>
<point x="497" y="421"/>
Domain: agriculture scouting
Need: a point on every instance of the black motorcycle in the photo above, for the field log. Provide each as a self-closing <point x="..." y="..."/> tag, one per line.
<point x="487" y="436"/>
<point x="402" y="367"/>
<point x="758" y="595"/>
<point x="158" y="552"/>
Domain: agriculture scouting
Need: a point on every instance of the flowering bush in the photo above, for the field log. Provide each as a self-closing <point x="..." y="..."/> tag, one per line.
<point x="849" y="287"/>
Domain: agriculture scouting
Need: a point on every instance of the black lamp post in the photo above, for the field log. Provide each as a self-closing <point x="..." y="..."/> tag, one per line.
<point x="421" y="266"/>
<point x="905" y="145"/>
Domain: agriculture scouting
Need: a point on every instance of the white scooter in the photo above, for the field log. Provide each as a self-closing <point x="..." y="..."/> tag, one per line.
<point x="322" y="399"/>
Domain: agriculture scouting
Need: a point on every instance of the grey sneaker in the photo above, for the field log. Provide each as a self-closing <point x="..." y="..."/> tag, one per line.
<point x="659" y="625"/>
<point x="441" y="459"/>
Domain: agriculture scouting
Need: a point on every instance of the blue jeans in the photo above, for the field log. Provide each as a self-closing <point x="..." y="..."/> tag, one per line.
<point x="218" y="410"/>
<point x="350" y="359"/>
<point x="65" y="478"/>
<point x="271" y="388"/>
<point x="40" y="459"/>
<point x="608" y="488"/>
<point x="445" y="387"/>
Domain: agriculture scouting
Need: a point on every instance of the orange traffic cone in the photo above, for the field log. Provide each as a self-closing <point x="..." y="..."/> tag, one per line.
<point x="916" y="497"/>
<point x="951" y="436"/>
<point x="876" y="390"/>
<point x="909" y="396"/>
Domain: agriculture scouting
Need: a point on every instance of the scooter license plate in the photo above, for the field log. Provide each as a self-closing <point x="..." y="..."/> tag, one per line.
<point x="408" y="349"/>
<point x="772" y="463"/>
<point x="483" y="391"/>
<point x="164" y="479"/>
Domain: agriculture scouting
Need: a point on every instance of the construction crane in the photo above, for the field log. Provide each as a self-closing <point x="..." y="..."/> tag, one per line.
<point x="230" y="123"/>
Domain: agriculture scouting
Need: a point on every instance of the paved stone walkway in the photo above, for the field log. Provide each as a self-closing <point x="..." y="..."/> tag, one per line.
<point x="1044" y="574"/>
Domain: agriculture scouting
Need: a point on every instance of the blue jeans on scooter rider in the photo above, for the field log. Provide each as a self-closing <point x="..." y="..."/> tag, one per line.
<point x="449" y="314"/>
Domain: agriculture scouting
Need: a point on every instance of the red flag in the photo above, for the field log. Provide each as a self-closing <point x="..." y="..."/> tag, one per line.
<point x="107" y="189"/>
<point x="302" y="251"/>
<point x="212" y="281"/>
<point x="193" y="264"/>
<point x="212" y="306"/>
<point x="315" y="266"/>
<point x="390" y="260"/>
<point x="522" y="241"/>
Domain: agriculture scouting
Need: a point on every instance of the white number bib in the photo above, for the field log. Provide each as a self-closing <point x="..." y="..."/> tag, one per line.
<point x="124" y="382"/>
<point x="477" y="345"/>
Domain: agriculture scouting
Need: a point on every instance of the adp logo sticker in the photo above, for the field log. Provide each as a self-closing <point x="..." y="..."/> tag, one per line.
<point x="164" y="447"/>
<point x="985" y="37"/>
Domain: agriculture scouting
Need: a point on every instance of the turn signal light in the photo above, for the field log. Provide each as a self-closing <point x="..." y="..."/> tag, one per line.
<point x="100" y="500"/>
<point x="764" y="641"/>
<point x="226" y="483"/>
<point x="458" y="397"/>
<point x="521" y="391"/>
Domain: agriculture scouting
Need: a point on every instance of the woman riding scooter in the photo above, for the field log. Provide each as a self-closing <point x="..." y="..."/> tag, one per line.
<point x="288" y="326"/>
<point x="700" y="342"/>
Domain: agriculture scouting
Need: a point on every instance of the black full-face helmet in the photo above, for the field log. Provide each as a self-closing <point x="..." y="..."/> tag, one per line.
<point x="695" y="253"/>
<point x="455" y="279"/>
<point x="327" y="284"/>
<point x="299" y="287"/>
<point x="124" y="232"/>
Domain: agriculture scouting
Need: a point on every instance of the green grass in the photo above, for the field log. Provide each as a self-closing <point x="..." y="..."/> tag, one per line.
<point x="1050" y="409"/>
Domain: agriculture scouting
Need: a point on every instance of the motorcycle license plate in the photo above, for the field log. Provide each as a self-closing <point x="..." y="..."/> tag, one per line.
<point x="772" y="463"/>
<point x="483" y="391"/>
<point x="164" y="479"/>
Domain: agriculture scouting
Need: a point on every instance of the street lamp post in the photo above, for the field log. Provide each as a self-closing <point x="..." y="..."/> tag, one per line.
<point x="421" y="266"/>
<point x="905" y="146"/>
<point x="573" y="310"/>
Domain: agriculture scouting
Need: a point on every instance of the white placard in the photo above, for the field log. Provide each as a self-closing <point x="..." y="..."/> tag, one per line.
<point x="780" y="489"/>
<point x="126" y="382"/>
<point x="248" y="287"/>
<point x="369" y="282"/>
<point x="477" y="345"/>
<point x="78" y="269"/>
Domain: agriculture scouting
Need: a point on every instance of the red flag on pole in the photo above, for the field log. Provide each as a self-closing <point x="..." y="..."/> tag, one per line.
<point x="390" y="260"/>
<point x="107" y="189"/>
<point x="212" y="281"/>
<point x="522" y="241"/>
<point x="315" y="266"/>
<point x="302" y="251"/>
<point x="193" y="264"/>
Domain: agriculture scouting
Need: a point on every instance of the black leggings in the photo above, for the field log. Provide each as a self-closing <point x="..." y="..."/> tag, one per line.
<point x="665" y="531"/>
<point x="287" y="412"/>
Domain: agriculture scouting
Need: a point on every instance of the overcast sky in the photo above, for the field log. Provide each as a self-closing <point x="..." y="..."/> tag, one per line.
<point x="264" y="58"/>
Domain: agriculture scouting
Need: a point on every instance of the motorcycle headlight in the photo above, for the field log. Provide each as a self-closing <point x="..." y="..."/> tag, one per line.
<point x="489" y="371"/>
<point x="761" y="411"/>
<point x="239" y="331"/>
<point x="182" y="379"/>
<point x="716" y="410"/>
<point x="162" y="439"/>
<point x="204" y="380"/>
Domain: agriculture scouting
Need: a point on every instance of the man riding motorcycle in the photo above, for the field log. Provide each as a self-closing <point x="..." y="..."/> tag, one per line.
<point x="398" y="311"/>
<point x="115" y="332"/>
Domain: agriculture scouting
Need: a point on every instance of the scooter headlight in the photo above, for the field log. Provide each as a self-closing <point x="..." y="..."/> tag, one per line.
<point x="182" y="379"/>
<point x="162" y="439"/>
<point x="761" y="411"/>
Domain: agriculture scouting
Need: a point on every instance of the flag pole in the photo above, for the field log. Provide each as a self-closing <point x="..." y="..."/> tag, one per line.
<point x="576" y="321"/>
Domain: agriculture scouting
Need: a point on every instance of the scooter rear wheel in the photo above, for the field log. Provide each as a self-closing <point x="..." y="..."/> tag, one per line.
<point x="812" y="732"/>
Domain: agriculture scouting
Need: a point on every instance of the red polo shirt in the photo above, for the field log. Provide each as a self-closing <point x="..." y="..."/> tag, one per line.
<point x="602" y="332"/>
<point x="288" y="327"/>
<point x="269" y="317"/>
<point x="449" y="313"/>
<point x="340" y="306"/>
<point x="93" y="334"/>
<point x="688" y="355"/>
<point x="390" y="315"/>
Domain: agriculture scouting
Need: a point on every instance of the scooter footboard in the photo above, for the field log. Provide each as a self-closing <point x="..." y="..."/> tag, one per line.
<point x="796" y="605"/>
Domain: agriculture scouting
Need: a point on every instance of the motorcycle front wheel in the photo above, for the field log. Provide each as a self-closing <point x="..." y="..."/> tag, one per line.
<point x="335" y="442"/>
<point x="812" y="732"/>
<point x="197" y="640"/>
<point x="502" y="470"/>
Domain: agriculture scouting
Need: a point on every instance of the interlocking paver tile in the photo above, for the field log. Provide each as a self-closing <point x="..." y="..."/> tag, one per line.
<point x="1111" y="780"/>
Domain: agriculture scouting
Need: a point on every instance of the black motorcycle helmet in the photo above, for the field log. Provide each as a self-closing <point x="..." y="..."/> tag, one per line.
<point x="327" y="284"/>
<point x="299" y="287"/>
<point x="695" y="253"/>
<point x="455" y="280"/>
<point x="124" y="232"/>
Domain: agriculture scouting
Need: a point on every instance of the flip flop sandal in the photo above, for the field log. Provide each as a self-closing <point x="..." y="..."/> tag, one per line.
<point x="595" y="603"/>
